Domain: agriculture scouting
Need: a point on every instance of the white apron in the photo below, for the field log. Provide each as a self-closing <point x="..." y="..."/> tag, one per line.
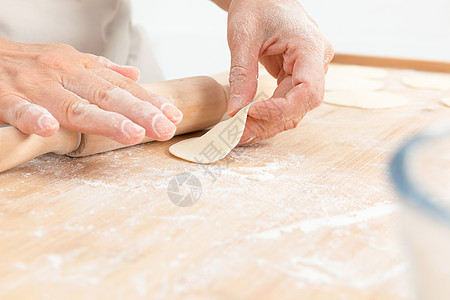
<point x="101" y="27"/>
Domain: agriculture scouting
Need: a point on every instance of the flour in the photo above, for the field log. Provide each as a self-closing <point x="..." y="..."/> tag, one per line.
<point x="318" y="272"/>
<point x="310" y="225"/>
<point x="288" y="194"/>
<point x="55" y="261"/>
<point x="294" y="208"/>
<point x="266" y="172"/>
<point x="39" y="233"/>
<point x="182" y="218"/>
<point x="20" y="265"/>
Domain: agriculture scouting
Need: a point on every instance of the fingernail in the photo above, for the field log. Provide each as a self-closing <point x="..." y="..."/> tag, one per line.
<point x="248" y="140"/>
<point x="162" y="126"/>
<point x="47" y="123"/>
<point x="132" y="130"/>
<point x="235" y="104"/>
<point x="172" y="112"/>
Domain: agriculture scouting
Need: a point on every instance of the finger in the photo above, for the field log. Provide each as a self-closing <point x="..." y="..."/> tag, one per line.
<point x="270" y="130"/>
<point x="296" y="104"/>
<point x="127" y="71"/>
<point x="79" y="115"/>
<point x="253" y="129"/>
<point x="329" y="53"/>
<point x="309" y="70"/>
<point x="164" y="105"/>
<point x="271" y="109"/>
<point x="112" y="98"/>
<point x="303" y="91"/>
<point x="27" y="117"/>
<point x="293" y="98"/>
<point x="243" y="72"/>
<point x="273" y="64"/>
<point x="308" y="80"/>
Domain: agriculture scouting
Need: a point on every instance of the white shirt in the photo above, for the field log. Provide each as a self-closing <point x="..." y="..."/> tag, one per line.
<point x="101" y="27"/>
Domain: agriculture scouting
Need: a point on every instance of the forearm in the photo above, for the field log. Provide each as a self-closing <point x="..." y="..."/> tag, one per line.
<point x="224" y="4"/>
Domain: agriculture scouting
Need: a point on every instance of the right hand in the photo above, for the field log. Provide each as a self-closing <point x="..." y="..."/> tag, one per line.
<point x="44" y="86"/>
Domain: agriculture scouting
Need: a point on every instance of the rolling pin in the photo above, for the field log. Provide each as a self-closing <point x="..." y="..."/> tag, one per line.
<point x="202" y="100"/>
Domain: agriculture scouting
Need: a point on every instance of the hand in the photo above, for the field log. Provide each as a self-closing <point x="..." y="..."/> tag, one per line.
<point x="44" y="86"/>
<point x="289" y="44"/>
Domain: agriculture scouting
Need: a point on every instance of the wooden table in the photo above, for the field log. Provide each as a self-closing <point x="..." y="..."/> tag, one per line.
<point x="309" y="214"/>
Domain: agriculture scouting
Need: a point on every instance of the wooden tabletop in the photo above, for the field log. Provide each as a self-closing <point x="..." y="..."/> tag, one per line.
<point x="309" y="214"/>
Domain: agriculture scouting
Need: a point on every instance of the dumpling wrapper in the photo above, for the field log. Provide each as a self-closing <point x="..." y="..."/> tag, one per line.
<point x="357" y="71"/>
<point x="366" y="100"/>
<point x="216" y="143"/>
<point x="434" y="82"/>
<point x="334" y="83"/>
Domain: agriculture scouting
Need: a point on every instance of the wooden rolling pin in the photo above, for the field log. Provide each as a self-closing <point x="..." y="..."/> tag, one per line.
<point x="202" y="100"/>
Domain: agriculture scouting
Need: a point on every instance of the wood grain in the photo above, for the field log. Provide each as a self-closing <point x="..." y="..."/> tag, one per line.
<point x="308" y="214"/>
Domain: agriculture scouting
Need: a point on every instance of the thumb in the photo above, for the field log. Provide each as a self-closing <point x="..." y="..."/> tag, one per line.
<point x="243" y="75"/>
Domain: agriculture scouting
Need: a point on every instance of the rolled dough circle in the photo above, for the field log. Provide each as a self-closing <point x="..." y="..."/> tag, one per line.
<point x="365" y="100"/>
<point x="357" y="71"/>
<point x="335" y="83"/>
<point x="434" y="82"/>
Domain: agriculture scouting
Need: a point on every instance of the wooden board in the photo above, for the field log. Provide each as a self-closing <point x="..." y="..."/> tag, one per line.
<point x="387" y="62"/>
<point x="309" y="214"/>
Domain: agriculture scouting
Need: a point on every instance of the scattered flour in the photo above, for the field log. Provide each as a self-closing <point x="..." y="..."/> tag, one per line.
<point x="310" y="225"/>
<point x="55" y="261"/>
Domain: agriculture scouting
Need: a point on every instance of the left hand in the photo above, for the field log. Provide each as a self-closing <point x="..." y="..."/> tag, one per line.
<point x="289" y="44"/>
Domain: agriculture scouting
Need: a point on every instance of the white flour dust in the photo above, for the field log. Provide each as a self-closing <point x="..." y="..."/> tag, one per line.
<point x="310" y="225"/>
<point x="293" y="208"/>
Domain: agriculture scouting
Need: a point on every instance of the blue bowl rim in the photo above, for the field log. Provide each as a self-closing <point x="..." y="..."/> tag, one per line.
<point x="412" y="196"/>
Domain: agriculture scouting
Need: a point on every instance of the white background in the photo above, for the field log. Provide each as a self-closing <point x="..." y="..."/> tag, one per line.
<point x="189" y="36"/>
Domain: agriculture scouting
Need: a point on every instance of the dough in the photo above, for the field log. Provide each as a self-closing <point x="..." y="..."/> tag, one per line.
<point x="335" y="83"/>
<point x="216" y="143"/>
<point x="446" y="101"/>
<point x="431" y="81"/>
<point x="366" y="100"/>
<point x="357" y="71"/>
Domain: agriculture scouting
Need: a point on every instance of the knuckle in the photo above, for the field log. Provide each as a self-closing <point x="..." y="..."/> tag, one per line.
<point x="138" y="108"/>
<point x="103" y="95"/>
<point x="92" y="61"/>
<point x="239" y="74"/>
<point x="141" y="108"/>
<point x="314" y="97"/>
<point x="74" y="112"/>
<point x="136" y="90"/>
<point x="57" y="56"/>
<point x="64" y="47"/>
<point x="291" y="124"/>
<point x="53" y="60"/>
<point x="122" y="83"/>
<point x="19" y="114"/>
